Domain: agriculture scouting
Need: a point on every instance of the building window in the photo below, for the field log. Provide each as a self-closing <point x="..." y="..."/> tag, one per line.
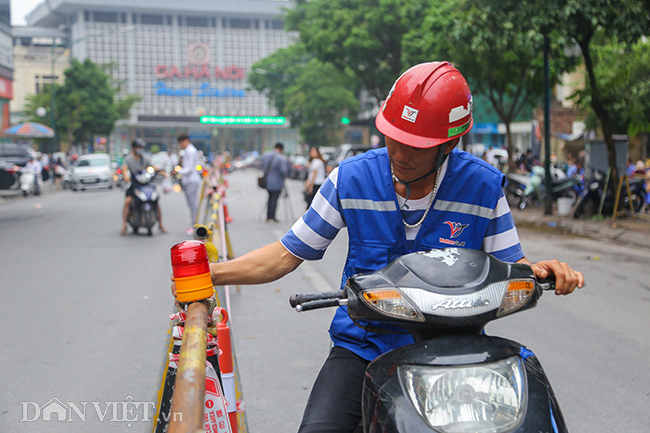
<point x="87" y="16"/>
<point x="105" y="17"/>
<point x="42" y="80"/>
<point x="277" y="25"/>
<point x="156" y="20"/>
<point x="170" y="20"/>
<point x="240" y="23"/>
<point x="196" y="21"/>
<point x="124" y="18"/>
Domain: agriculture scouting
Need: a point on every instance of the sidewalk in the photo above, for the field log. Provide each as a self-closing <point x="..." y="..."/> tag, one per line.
<point x="624" y="231"/>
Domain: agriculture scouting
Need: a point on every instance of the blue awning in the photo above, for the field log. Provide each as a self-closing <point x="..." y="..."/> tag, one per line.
<point x="484" y="128"/>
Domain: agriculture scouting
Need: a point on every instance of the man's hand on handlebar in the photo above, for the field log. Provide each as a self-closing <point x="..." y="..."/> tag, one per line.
<point x="566" y="279"/>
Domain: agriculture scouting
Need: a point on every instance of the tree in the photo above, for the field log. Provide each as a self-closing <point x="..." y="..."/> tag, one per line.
<point x="622" y="73"/>
<point x="496" y="44"/>
<point x="620" y="21"/>
<point x="87" y="104"/>
<point x="362" y="36"/>
<point x="313" y="95"/>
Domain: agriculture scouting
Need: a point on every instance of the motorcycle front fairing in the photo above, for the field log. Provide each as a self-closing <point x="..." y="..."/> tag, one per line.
<point x="442" y="291"/>
<point x="453" y="379"/>
<point x="456" y="384"/>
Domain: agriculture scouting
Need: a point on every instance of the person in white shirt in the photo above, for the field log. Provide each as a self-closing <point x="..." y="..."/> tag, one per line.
<point x="316" y="175"/>
<point x="37" y="168"/>
<point x="191" y="179"/>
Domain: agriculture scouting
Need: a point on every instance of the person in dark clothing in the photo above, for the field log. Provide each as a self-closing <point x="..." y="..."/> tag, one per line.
<point x="275" y="167"/>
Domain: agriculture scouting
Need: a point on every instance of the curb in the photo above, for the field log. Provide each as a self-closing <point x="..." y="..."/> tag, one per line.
<point x="624" y="231"/>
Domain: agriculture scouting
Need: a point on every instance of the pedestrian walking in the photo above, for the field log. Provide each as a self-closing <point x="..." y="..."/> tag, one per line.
<point x="190" y="179"/>
<point x="276" y="168"/>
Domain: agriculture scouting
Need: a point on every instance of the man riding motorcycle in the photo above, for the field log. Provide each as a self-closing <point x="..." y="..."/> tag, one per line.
<point x="416" y="194"/>
<point x="134" y="163"/>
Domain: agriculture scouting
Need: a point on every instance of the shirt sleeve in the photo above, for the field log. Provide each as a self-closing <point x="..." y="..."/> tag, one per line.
<point x="189" y="162"/>
<point x="501" y="237"/>
<point x="316" y="229"/>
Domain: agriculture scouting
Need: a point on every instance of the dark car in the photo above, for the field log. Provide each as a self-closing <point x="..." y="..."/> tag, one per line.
<point x="11" y="155"/>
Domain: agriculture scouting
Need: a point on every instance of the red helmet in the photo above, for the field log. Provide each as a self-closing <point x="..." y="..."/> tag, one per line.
<point x="428" y="105"/>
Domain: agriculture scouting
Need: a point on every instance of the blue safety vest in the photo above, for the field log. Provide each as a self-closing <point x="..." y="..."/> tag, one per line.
<point x="459" y="216"/>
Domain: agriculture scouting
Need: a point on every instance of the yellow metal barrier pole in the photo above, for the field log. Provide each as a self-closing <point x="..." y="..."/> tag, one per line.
<point x="187" y="407"/>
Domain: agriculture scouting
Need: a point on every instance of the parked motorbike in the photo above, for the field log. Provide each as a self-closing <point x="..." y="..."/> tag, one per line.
<point x="592" y="196"/>
<point x="454" y="378"/>
<point x="517" y="184"/>
<point x="560" y="187"/>
<point x="144" y="206"/>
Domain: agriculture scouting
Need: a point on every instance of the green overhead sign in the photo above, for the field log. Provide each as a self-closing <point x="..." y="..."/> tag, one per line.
<point x="242" y="120"/>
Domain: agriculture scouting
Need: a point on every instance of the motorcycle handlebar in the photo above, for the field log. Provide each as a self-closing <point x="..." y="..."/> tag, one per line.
<point x="325" y="303"/>
<point x="547" y="284"/>
<point x="301" y="298"/>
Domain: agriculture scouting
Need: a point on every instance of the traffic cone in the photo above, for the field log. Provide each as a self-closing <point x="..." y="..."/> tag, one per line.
<point x="226" y="367"/>
<point x="227" y="217"/>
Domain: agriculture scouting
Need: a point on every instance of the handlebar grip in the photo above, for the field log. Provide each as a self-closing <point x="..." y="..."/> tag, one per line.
<point x="325" y="303"/>
<point x="547" y="283"/>
<point x="301" y="298"/>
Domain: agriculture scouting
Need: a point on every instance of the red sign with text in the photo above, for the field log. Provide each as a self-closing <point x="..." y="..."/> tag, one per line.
<point x="199" y="72"/>
<point x="6" y="88"/>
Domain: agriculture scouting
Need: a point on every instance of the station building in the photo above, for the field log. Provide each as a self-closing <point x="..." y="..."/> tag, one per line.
<point x="189" y="61"/>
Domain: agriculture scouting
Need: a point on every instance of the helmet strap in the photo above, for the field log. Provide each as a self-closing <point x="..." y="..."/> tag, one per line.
<point x="440" y="159"/>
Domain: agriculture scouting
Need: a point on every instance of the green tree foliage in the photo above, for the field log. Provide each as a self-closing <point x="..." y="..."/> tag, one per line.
<point x="622" y="72"/>
<point x="619" y="21"/>
<point x="86" y="104"/>
<point x="362" y="36"/>
<point x="496" y="44"/>
<point x="313" y="95"/>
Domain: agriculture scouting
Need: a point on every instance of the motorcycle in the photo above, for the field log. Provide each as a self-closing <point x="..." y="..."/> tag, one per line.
<point x="560" y="187"/>
<point x="453" y="378"/>
<point x="28" y="182"/>
<point x="592" y="196"/>
<point x="144" y="206"/>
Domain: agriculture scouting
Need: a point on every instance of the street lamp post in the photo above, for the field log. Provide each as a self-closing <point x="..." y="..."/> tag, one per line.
<point x="548" y="200"/>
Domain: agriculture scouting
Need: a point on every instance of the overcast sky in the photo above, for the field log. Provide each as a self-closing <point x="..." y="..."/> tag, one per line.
<point x="20" y="8"/>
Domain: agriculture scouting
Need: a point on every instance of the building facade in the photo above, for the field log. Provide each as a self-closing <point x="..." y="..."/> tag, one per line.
<point x="189" y="62"/>
<point x="6" y="64"/>
<point x="40" y="57"/>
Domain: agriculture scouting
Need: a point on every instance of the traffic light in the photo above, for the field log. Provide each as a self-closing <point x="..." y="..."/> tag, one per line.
<point x="345" y="120"/>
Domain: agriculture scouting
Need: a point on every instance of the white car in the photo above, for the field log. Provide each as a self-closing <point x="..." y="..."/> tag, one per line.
<point x="92" y="171"/>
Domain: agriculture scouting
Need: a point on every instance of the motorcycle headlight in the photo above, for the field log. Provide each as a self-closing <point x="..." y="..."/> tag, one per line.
<point x="485" y="398"/>
<point x="391" y="303"/>
<point x="593" y="186"/>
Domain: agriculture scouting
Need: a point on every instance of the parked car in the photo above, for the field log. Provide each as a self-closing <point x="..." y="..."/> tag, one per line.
<point x="299" y="168"/>
<point x="12" y="155"/>
<point x="253" y="160"/>
<point x="345" y="151"/>
<point x="92" y="171"/>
